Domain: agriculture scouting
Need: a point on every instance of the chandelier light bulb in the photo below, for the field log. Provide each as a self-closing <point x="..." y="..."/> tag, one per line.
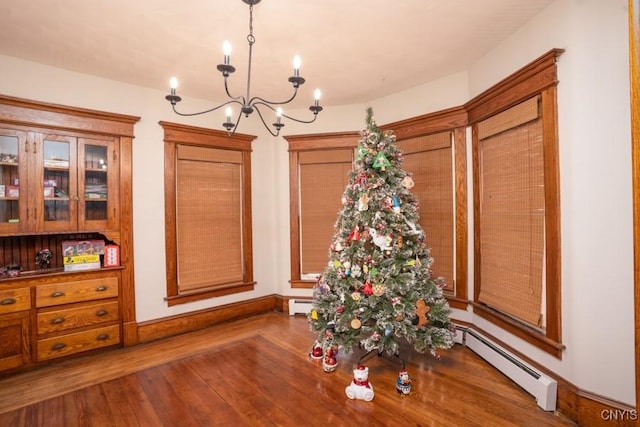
<point x="229" y="113"/>
<point x="226" y="49"/>
<point x="173" y="83"/>
<point x="279" y="115"/>
<point x="316" y="95"/>
<point x="296" y="65"/>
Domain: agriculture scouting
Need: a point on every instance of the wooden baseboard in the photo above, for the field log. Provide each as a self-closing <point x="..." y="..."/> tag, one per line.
<point x="192" y="321"/>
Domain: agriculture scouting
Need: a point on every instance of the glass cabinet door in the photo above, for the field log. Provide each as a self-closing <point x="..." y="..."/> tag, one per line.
<point x="97" y="174"/>
<point x="57" y="186"/>
<point x="13" y="163"/>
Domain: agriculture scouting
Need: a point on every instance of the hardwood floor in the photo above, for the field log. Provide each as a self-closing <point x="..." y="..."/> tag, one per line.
<point x="256" y="372"/>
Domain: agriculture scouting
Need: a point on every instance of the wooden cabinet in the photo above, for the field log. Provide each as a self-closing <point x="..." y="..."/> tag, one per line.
<point x="77" y="315"/>
<point x="14" y="327"/>
<point x="65" y="174"/>
<point x="57" y="182"/>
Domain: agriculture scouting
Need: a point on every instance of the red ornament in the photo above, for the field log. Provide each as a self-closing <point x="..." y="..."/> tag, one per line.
<point x="355" y="234"/>
<point x="367" y="289"/>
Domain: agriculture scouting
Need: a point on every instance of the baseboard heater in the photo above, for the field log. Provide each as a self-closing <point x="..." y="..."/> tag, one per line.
<point x="299" y="306"/>
<point x="542" y="387"/>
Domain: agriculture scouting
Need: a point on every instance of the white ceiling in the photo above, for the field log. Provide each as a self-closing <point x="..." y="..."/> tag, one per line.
<point x="354" y="50"/>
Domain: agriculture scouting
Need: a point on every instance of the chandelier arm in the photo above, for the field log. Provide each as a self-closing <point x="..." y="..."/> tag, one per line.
<point x="235" y="126"/>
<point x="226" y="89"/>
<point x="266" y="126"/>
<point x="234" y="101"/>
<point x="258" y="100"/>
<point x="315" y="116"/>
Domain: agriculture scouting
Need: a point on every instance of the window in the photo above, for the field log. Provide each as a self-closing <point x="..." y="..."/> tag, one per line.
<point x="516" y="199"/>
<point x="319" y="166"/>
<point x="428" y="159"/>
<point x="434" y="147"/>
<point x="207" y="213"/>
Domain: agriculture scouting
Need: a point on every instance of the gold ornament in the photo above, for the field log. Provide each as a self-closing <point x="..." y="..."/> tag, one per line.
<point x="378" y="289"/>
<point x="356" y="323"/>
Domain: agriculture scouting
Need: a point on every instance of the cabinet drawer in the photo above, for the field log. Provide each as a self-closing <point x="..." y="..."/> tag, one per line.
<point x="65" y="345"/>
<point x="68" y="292"/>
<point x="87" y="315"/>
<point x="12" y="300"/>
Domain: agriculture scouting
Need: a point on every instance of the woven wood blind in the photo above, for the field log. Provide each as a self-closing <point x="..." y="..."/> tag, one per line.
<point x="429" y="160"/>
<point x="323" y="177"/>
<point x="208" y="217"/>
<point x="512" y="212"/>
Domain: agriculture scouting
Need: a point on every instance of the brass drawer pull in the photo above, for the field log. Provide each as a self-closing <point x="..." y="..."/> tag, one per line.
<point x="101" y="313"/>
<point x="8" y="301"/>
<point x="102" y="337"/>
<point x="57" y="294"/>
<point x="58" y="320"/>
<point x="102" y="288"/>
<point x="58" y="346"/>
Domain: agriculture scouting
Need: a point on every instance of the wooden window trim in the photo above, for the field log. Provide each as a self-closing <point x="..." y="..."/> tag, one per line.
<point x="175" y="134"/>
<point x="537" y="78"/>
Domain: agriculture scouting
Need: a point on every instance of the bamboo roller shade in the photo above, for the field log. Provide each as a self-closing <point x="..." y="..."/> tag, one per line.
<point x="323" y="178"/>
<point x="208" y="217"/>
<point x="429" y="160"/>
<point x="512" y="212"/>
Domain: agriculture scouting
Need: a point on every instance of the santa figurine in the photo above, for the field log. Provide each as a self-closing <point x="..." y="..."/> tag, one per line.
<point x="316" y="351"/>
<point x="330" y="361"/>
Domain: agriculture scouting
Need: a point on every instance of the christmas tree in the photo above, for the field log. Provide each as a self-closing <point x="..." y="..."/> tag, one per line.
<point x="377" y="289"/>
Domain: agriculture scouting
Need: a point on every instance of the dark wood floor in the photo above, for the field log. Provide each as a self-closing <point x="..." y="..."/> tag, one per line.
<point x="256" y="372"/>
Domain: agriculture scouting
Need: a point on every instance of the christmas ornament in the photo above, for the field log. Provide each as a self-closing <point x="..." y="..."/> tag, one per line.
<point x="361" y="152"/>
<point x="347" y="268"/>
<point x="356" y="323"/>
<point x="407" y="182"/>
<point x="367" y="288"/>
<point x="360" y="387"/>
<point x="396" y="204"/>
<point x="356" y="271"/>
<point x="314" y="315"/>
<point x="421" y="311"/>
<point x="378" y="289"/>
<point x="355" y="234"/>
<point x="381" y="241"/>
<point x="381" y="162"/>
<point x="363" y="202"/>
<point x="355" y="295"/>
<point x="403" y="384"/>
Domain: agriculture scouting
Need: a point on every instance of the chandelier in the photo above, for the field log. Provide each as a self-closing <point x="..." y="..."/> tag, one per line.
<point x="247" y="103"/>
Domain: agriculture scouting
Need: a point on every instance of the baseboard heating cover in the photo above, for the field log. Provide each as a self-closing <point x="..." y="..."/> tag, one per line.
<point x="299" y="306"/>
<point x="542" y="387"/>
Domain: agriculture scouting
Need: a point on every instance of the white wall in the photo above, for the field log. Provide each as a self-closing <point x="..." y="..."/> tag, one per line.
<point x="597" y="262"/>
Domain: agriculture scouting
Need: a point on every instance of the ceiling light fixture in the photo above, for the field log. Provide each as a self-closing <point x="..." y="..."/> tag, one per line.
<point x="247" y="103"/>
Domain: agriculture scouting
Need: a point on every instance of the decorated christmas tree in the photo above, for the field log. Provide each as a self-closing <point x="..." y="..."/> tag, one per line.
<point x="377" y="289"/>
